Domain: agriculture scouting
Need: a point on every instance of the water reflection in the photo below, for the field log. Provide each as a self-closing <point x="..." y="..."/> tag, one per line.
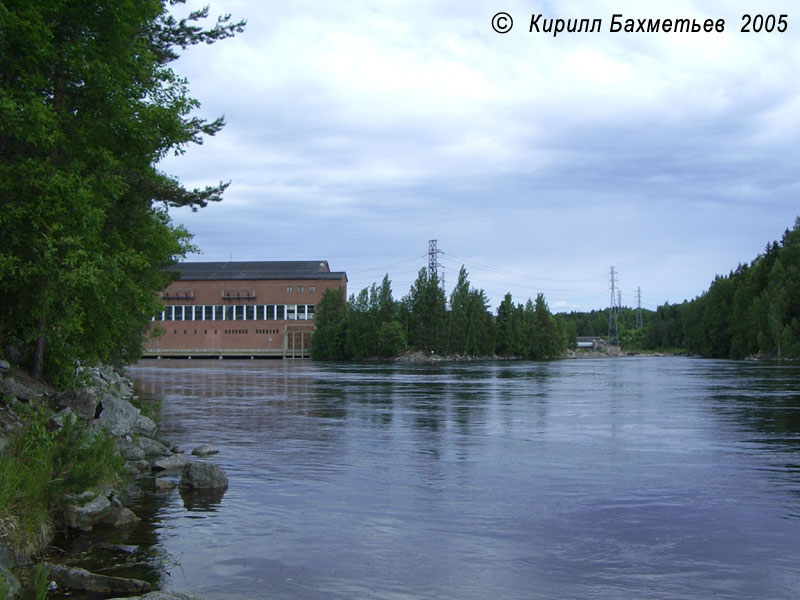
<point x="623" y="478"/>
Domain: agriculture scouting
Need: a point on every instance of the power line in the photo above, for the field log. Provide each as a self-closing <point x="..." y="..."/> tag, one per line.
<point x="613" y="321"/>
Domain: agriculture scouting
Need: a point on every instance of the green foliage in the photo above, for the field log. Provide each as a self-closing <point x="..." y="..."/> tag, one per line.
<point x="88" y="106"/>
<point x="41" y="580"/>
<point x="41" y="464"/>
<point x="373" y="325"/>
<point x="755" y="309"/>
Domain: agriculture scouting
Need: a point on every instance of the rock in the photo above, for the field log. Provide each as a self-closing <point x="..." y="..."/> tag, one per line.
<point x="203" y="476"/>
<point x="152" y="447"/>
<point x="205" y="450"/>
<point x="85" y="516"/>
<point x="118" y="416"/>
<point x="9" y="585"/>
<point x="75" y="578"/>
<point x="11" y="387"/>
<point x="129" y="450"/>
<point x="145" y="426"/>
<point x="173" y="462"/>
<point x="165" y="485"/>
<point x="83" y="402"/>
<point x="4" y="366"/>
<point x="164" y="596"/>
<point x="119" y="516"/>
<point x="63" y="417"/>
<point x="95" y="509"/>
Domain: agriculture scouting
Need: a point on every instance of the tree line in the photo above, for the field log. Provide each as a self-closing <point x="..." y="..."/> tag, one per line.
<point x="88" y="107"/>
<point x="374" y="325"/>
<point x="754" y="310"/>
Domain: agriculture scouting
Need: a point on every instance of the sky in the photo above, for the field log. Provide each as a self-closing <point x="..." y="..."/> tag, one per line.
<point x="357" y="132"/>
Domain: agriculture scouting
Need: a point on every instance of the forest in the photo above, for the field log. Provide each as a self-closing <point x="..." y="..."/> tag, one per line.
<point x="374" y="325"/>
<point x="754" y="311"/>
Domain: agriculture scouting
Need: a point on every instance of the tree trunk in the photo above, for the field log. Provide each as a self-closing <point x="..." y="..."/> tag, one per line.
<point x="38" y="352"/>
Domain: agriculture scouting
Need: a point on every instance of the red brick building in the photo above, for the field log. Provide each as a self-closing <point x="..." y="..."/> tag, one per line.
<point x="245" y="309"/>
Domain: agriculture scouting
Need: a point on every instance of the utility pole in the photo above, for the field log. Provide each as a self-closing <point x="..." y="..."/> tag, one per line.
<point x="433" y="260"/>
<point x="613" y="308"/>
<point x="639" y="324"/>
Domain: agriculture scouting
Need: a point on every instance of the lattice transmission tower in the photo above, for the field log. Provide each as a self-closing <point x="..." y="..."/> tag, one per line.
<point x="639" y="324"/>
<point x="613" y="308"/>
<point x="433" y="260"/>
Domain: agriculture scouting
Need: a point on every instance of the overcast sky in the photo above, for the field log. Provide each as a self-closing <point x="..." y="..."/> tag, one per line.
<point x="357" y="131"/>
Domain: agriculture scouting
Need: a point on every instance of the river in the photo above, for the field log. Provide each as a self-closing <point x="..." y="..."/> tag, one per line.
<point x="630" y="477"/>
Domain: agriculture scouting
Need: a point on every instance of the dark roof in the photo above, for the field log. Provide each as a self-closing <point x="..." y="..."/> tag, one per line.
<point x="266" y="269"/>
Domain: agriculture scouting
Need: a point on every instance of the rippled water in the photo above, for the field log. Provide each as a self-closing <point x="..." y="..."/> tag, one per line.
<point x="610" y="478"/>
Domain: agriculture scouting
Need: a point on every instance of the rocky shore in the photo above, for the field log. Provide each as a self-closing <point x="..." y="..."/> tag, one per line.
<point x="105" y="402"/>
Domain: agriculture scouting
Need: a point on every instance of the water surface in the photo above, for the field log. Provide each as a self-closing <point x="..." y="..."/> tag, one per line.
<point x="609" y="478"/>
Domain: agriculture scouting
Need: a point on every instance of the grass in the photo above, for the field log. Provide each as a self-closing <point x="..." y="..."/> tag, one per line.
<point x="40" y="465"/>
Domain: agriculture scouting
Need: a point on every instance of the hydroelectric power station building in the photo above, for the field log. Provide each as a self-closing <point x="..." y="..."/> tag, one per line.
<point x="242" y="309"/>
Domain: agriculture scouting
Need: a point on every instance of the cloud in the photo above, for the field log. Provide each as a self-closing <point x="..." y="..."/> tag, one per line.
<point x="366" y="129"/>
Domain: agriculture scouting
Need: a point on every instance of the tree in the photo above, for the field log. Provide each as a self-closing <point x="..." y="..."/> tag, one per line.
<point x="330" y="332"/>
<point x="428" y="312"/>
<point x="88" y="106"/>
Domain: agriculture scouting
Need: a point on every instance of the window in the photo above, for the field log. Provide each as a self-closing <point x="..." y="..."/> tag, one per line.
<point x="261" y="312"/>
<point x="291" y="312"/>
<point x="239" y="312"/>
<point x="229" y="313"/>
<point x="219" y="313"/>
<point x="301" y="289"/>
<point x="280" y="311"/>
<point x="208" y="313"/>
<point x="310" y="311"/>
<point x="288" y="289"/>
<point x="312" y="288"/>
<point x="178" y="316"/>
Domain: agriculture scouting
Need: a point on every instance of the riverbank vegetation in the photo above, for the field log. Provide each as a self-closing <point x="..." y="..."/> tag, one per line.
<point x="752" y="311"/>
<point x="373" y="325"/>
<point x="88" y="106"/>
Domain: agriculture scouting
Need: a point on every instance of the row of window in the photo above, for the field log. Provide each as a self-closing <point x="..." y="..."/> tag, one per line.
<point x="239" y="312"/>
<point x="300" y="288"/>
<point x="233" y="331"/>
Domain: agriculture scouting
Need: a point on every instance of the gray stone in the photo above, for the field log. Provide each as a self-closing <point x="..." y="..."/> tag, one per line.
<point x="4" y="366"/>
<point x="78" y="579"/>
<point x="165" y="485"/>
<point x="9" y="584"/>
<point x="130" y="451"/>
<point x="152" y="447"/>
<point x="203" y="476"/>
<point x="118" y="416"/>
<point x="205" y="450"/>
<point x="83" y="402"/>
<point x="173" y="462"/>
<point x="85" y="516"/>
<point x="63" y="417"/>
<point x="145" y="426"/>
<point x="119" y="516"/>
<point x="11" y="387"/>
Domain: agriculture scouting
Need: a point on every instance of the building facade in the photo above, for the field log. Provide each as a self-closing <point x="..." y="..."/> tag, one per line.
<point x="241" y="309"/>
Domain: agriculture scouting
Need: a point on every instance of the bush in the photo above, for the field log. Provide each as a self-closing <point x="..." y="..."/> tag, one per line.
<point x="40" y="465"/>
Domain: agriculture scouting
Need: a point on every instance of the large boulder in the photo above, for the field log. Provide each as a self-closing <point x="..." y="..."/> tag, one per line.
<point x="83" y="402"/>
<point x="77" y="579"/>
<point x="203" y="476"/>
<point x="11" y="387"/>
<point x="118" y="416"/>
